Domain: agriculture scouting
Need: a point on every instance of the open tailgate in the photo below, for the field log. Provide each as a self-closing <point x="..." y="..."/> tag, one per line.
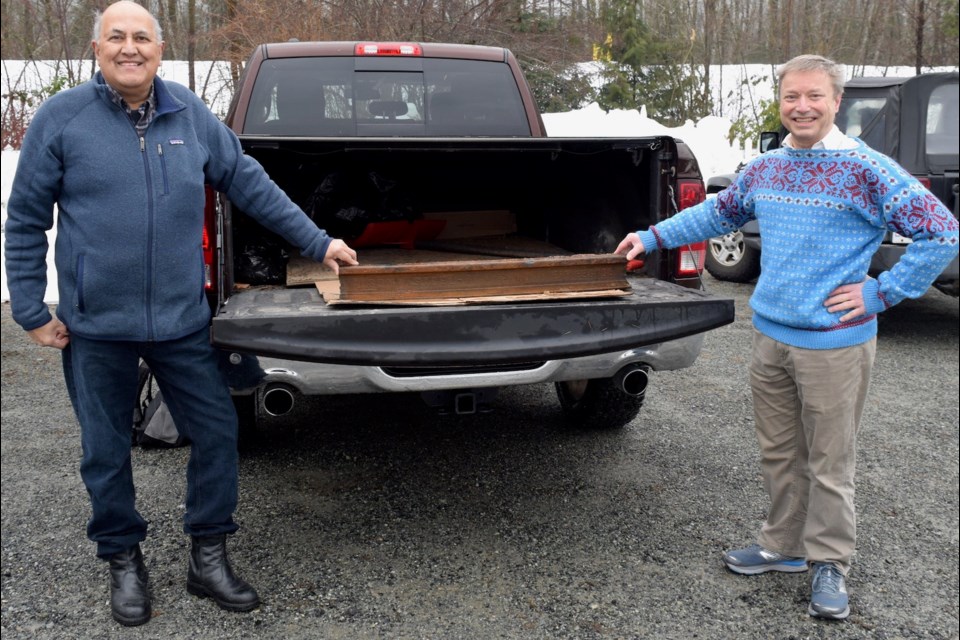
<point x="298" y="325"/>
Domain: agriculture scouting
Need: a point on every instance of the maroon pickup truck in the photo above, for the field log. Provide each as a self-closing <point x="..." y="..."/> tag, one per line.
<point x="363" y="132"/>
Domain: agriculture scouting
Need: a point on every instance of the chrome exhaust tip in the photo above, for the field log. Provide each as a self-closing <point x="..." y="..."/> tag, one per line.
<point x="277" y="400"/>
<point x="633" y="379"/>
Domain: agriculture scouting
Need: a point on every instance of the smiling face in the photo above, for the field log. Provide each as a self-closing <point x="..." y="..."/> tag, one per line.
<point x="128" y="51"/>
<point x="808" y="106"/>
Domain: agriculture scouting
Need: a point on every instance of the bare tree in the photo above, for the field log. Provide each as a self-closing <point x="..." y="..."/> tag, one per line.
<point x="920" y="21"/>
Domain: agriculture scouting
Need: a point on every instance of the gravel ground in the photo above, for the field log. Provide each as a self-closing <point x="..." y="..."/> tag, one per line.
<point x="371" y="517"/>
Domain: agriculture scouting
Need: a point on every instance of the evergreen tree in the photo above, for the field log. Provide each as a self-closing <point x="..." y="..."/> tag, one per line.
<point x="556" y="91"/>
<point x="642" y="68"/>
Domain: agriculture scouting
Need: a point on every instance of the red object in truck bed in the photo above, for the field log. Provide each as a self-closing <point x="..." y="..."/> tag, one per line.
<point x="398" y="232"/>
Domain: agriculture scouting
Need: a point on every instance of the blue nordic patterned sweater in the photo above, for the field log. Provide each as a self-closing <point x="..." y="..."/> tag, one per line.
<point x="822" y="215"/>
<point x="130" y="213"/>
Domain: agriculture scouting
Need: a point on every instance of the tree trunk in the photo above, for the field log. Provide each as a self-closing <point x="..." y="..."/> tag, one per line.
<point x="192" y="43"/>
<point x="921" y="19"/>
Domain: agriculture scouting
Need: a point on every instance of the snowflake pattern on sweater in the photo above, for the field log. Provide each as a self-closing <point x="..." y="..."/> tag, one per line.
<point x="822" y="215"/>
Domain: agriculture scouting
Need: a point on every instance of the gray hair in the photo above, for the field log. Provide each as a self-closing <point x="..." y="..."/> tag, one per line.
<point x="809" y="62"/>
<point x="98" y="19"/>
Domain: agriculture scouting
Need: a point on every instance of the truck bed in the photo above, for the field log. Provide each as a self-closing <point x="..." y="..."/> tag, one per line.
<point x="581" y="195"/>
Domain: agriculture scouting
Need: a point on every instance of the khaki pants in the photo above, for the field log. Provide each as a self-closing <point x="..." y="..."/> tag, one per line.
<point x="807" y="404"/>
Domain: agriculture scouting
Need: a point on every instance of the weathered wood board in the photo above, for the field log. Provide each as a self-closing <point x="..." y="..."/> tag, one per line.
<point x="482" y="277"/>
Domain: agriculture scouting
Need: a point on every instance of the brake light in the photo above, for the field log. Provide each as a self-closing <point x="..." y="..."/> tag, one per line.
<point x="690" y="259"/>
<point x="209" y="238"/>
<point x="925" y="181"/>
<point x="691" y="192"/>
<point x="388" y="49"/>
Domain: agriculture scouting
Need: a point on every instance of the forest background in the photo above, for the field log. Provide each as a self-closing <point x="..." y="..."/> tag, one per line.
<point x="620" y="54"/>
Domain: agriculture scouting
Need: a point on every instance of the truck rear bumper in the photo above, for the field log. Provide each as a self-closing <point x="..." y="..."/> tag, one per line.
<point x="318" y="378"/>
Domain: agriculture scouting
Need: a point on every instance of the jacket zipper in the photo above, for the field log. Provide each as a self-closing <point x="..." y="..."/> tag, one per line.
<point x="163" y="167"/>
<point x="150" y="224"/>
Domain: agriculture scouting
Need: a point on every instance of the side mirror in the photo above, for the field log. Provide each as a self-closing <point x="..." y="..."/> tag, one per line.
<point x="769" y="140"/>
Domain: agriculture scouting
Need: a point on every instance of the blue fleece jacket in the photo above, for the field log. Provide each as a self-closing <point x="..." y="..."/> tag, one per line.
<point x="822" y="216"/>
<point x="130" y="213"/>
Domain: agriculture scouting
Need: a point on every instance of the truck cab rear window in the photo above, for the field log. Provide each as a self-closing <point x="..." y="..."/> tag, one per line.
<point x="298" y="97"/>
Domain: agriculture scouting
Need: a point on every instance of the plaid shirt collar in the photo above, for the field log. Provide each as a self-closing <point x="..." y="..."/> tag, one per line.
<point x="141" y="117"/>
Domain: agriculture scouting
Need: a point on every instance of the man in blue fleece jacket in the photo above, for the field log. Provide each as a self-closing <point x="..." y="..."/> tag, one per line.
<point x="125" y="157"/>
<point x="823" y="203"/>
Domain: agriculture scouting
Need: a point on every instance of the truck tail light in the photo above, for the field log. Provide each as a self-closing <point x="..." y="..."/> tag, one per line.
<point x="690" y="259"/>
<point x="388" y="49"/>
<point x="209" y="239"/>
<point x="691" y="192"/>
<point x="925" y="181"/>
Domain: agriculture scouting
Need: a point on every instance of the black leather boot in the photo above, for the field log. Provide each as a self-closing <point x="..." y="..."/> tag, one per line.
<point x="210" y="576"/>
<point x="129" y="593"/>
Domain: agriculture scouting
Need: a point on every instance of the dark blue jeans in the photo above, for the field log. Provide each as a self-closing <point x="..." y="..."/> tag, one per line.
<point x="101" y="378"/>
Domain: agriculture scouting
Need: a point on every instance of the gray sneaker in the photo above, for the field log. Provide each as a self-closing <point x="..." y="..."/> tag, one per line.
<point x="828" y="592"/>
<point x="755" y="559"/>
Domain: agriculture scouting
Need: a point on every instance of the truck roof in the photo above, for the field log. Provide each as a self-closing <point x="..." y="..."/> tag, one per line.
<point x="296" y="49"/>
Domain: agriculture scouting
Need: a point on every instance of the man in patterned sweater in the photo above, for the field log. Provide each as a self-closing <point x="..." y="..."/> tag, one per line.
<point x="823" y="202"/>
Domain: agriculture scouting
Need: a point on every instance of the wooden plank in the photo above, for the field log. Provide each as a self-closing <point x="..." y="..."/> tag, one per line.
<point x="453" y="279"/>
<point x="402" y="276"/>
